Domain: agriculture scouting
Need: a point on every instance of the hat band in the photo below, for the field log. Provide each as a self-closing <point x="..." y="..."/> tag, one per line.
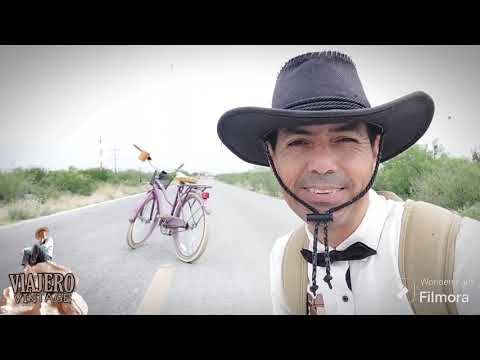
<point x="325" y="103"/>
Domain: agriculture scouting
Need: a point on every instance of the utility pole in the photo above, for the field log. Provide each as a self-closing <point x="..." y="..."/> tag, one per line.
<point x="115" y="150"/>
<point x="101" y="152"/>
<point x="435" y="147"/>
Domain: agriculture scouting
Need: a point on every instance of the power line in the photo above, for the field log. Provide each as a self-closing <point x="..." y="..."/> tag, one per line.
<point x="101" y="152"/>
<point x="115" y="150"/>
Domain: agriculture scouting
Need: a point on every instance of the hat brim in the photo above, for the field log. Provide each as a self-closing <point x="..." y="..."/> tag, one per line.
<point x="404" y="121"/>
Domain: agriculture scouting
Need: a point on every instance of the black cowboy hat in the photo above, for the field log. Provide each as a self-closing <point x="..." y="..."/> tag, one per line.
<point x="319" y="88"/>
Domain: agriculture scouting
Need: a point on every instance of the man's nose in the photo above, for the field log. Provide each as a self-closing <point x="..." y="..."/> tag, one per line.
<point x="322" y="160"/>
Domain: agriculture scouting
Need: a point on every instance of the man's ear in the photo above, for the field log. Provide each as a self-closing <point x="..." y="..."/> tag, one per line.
<point x="375" y="151"/>
<point x="376" y="147"/>
<point x="270" y="149"/>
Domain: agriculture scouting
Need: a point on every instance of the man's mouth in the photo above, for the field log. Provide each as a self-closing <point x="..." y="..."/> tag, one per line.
<point x="325" y="195"/>
<point x="315" y="190"/>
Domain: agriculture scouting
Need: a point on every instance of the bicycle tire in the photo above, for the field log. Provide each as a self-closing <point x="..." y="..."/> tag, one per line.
<point x="130" y="240"/>
<point x="200" y="248"/>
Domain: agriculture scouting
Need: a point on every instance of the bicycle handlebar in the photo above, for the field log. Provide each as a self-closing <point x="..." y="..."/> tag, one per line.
<point x="179" y="167"/>
<point x="156" y="168"/>
<point x="137" y="147"/>
<point x="150" y="159"/>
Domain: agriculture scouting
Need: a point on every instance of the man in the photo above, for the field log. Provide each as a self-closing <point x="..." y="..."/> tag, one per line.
<point x="41" y="251"/>
<point x="324" y="143"/>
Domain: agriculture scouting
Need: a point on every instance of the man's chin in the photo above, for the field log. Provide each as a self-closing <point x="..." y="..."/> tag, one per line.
<point x="323" y="208"/>
<point x="302" y="212"/>
<point x="336" y="215"/>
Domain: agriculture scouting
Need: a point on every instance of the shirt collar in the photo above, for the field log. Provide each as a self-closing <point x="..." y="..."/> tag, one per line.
<point x="369" y="230"/>
<point x="47" y="239"/>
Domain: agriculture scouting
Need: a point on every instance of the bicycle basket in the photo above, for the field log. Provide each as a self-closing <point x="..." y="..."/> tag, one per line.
<point x="165" y="179"/>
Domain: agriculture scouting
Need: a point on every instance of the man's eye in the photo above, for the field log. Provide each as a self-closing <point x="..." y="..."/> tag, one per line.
<point x="347" y="140"/>
<point x="296" y="143"/>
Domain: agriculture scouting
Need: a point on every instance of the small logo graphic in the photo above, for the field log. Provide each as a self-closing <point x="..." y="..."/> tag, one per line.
<point x="403" y="290"/>
<point x="42" y="287"/>
<point x="402" y="293"/>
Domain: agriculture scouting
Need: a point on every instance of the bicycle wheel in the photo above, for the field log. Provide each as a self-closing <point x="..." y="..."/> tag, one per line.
<point x="190" y="243"/>
<point x="144" y="224"/>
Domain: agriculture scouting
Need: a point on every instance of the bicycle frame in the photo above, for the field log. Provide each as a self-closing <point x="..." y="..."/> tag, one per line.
<point x="183" y="190"/>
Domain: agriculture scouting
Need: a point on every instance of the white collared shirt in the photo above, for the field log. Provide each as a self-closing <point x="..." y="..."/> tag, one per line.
<point x="376" y="284"/>
<point x="48" y="244"/>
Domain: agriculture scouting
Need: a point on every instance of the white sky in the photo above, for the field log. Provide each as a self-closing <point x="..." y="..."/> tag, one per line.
<point x="56" y="101"/>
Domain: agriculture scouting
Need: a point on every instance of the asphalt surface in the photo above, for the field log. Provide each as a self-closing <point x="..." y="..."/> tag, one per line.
<point x="231" y="277"/>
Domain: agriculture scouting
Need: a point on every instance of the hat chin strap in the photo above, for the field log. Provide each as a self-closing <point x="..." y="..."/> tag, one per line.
<point x="317" y="217"/>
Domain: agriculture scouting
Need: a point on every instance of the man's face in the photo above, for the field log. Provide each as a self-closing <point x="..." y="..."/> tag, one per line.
<point x="41" y="235"/>
<point x="326" y="166"/>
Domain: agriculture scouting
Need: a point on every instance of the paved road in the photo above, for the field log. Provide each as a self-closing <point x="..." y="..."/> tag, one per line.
<point x="231" y="277"/>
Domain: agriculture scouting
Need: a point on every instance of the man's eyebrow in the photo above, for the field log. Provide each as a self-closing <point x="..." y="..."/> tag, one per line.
<point x="354" y="126"/>
<point x="296" y="131"/>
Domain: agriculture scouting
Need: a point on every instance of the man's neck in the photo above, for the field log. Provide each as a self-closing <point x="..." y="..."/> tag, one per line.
<point x="338" y="234"/>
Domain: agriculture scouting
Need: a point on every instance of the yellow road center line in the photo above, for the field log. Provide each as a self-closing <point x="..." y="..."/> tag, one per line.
<point x="157" y="292"/>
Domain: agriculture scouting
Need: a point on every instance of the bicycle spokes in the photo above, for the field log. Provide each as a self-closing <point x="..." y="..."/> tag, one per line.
<point x="191" y="240"/>
<point x="191" y="221"/>
<point x="143" y="225"/>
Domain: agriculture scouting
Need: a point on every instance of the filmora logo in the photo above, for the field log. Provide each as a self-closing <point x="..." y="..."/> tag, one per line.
<point x="430" y="291"/>
<point x="404" y="290"/>
<point x="42" y="287"/>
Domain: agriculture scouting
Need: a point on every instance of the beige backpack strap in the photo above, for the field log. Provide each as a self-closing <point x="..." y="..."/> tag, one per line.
<point x="390" y="195"/>
<point x="427" y="252"/>
<point x="294" y="272"/>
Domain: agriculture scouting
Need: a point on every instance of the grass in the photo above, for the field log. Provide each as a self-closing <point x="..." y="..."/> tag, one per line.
<point x="32" y="208"/>
<point x="260" y="181"/>
<point x="29" y="193"/>
<point x="33" y="192"/>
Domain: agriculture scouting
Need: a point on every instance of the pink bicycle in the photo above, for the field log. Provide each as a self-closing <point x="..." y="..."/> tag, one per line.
<point x="185" y="218"/>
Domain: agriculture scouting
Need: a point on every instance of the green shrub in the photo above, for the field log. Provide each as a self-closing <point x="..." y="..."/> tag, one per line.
<point x="71" y="181"/>
<point x="44" y="185"/>
<point x="13" y="185"/>
<point x="260" y="181"/>
<point x="398" y="174"/>
<point x="35" y="175"/>
<point x="454" y="184"/>
<point x="471" y="211"/>
<point x="24" y="209"/>
<point x="130" y="177"/>
<point x="99" y="174"/>
<point x="45" y="192"/>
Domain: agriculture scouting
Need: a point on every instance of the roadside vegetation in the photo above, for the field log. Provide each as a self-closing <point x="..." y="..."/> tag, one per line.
<point x="33" y="192"/>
